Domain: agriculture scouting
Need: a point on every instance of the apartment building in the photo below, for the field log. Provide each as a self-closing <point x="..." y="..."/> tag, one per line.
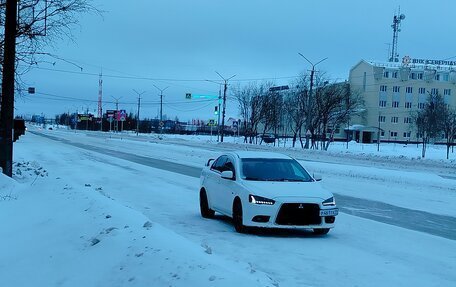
<point x="392" y="92"/>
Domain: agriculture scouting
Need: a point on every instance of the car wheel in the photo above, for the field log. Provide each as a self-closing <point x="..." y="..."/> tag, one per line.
<point x="321" y="231"/>
<point x="237" y="216"/>
<point x="206" y="212"/>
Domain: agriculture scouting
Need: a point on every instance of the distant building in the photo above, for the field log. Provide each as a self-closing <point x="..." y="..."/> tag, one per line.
<point x="393" y="91"/>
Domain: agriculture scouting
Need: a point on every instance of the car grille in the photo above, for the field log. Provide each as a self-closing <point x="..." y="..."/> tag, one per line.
<point x="299" y="214"/>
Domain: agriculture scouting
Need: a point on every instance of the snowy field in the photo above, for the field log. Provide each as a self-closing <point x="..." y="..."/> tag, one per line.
<point x="80" y="218"/>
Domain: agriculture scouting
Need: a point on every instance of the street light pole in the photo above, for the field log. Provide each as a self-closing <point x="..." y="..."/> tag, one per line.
<point x="224" y="102"/>
<point x="139" y="106"/>
<point x="117" y="111"/>
<point x="161" y="106"/>
<point x="309" y="100"/>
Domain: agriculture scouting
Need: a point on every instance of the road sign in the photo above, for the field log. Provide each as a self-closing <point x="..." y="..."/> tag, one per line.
<point x="211" y="122"/>
<point x="188" y="96"/>
<point x="207" y="97"/>
<point x="278" y="88"/>
<point x="121" y="115"/>
<point x="161" y="124"/>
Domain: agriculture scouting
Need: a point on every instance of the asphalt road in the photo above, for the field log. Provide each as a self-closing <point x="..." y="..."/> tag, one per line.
<point x="438" y="225"/>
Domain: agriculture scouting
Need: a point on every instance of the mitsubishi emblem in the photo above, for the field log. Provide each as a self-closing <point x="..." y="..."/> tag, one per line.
<point x="300" y="206"/>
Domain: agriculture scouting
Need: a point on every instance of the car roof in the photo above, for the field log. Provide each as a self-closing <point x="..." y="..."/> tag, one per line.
<point x="259" y="154"/>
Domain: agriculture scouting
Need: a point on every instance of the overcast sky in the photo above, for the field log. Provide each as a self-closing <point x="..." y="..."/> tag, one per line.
<point x="180" y="44"/>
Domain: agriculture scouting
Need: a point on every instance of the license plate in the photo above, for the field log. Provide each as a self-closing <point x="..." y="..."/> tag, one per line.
<point x="329" y="212"/>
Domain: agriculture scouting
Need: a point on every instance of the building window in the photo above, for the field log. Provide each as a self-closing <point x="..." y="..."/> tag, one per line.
<point x="393" y="134"/>
<point x="396" y="89"/>
<point x="407" y="134"/>
<point x="418" y="135"/>
<point x="407" y="120"/>
<point x="447" y="92"/>
<point x="434" y="91"/>
<point x="412" y="76"/>
<point x="383" y="88"/>
<point x="421" y="105"/>
<point x="394" y="74"/>
<point x="382" y="134"/>
<point x="382" y="104"/>
<point x="409" y="90"/>
<point x="395" y="120"/>
<point x="422" y="91"/>
<point x="437" y="77"/>
<point x="381" y="119"/>
<point x="386" y="74"/>
<point x="419" y="76"/>
<point x="395" y="104"/>
<point x="446" y="77"/>
<point x="408" y="105"/>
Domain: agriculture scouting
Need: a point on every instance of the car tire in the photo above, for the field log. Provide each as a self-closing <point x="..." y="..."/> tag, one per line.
<point x="321" y="231"/>
<point x="237" y="216"/>
<point x="206" y="212"/>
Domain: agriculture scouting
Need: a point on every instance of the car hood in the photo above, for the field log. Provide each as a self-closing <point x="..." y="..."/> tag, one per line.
<point x="274" y="189"/>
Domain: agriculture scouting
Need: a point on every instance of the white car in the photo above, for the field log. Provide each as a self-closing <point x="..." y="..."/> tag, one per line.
<point x="263" y="189"/>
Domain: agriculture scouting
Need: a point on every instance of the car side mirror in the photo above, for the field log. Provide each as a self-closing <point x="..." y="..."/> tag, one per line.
<point x="317" y="177"/>
<point x="227" y="174"/>
<point x="209" y="162"/>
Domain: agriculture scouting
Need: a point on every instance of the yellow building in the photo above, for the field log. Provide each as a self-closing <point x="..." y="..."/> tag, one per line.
<point x="392" y="92"/>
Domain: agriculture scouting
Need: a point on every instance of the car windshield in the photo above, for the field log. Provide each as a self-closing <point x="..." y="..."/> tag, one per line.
<point x="266" y="169"/>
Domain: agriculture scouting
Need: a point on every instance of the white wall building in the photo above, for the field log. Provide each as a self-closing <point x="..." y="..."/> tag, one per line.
<point x="392" y="92"/>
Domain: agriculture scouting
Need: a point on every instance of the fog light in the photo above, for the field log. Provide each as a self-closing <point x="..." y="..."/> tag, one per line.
<point x="330" y="219"/>
<point x="261" y="218"/>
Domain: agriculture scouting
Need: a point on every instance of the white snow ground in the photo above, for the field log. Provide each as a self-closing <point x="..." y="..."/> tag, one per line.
<point x="72" y="217"/>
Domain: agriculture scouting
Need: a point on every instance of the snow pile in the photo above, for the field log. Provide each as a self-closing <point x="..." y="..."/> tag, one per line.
<point x="57" y="233"/>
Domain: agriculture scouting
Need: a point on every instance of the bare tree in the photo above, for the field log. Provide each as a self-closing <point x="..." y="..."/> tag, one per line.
<point x="252" y="108"/>
<point x="295" y="107"/>
<point x="449" y="128"/>
<point x="430" y="120"/>
<point x="39" y="24"/>
<point x="334" y="104"/>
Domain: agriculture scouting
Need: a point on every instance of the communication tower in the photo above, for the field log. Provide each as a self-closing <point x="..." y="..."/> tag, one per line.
<point x="397" y="19"/>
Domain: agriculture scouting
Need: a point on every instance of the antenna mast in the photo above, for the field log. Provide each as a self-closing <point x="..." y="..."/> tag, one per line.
<point x="396" y="29"/>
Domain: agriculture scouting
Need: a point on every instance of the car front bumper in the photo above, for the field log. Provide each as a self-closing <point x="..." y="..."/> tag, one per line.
<point x="294" y="214"/>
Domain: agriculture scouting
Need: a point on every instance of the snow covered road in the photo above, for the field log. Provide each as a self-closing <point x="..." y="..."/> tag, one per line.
<point x="358" y="252"/>
<point x="435" y="224"/>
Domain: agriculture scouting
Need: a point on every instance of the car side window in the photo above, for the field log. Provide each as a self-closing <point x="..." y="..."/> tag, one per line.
<point x="219" y="163"/>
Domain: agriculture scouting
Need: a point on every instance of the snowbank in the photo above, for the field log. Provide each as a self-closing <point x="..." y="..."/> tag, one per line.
<point x="57" y="234"/>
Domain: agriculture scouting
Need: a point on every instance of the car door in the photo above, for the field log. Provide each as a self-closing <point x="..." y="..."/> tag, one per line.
<point x="212" y="183"/>
<point x="227" y="189"/>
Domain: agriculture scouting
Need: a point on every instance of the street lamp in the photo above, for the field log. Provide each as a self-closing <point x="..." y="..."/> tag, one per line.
<point x="161" y="106"/>
<point x="224" y="102"/>
<point x="139" y="106"/>
<point x="309" y="99"/>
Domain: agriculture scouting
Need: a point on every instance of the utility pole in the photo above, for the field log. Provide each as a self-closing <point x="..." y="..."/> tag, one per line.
<point x="7" y="102"/>
<point x="100" y="98"/>
<point x="218" y="113"/>
<point x="117" y="110"/>
<point x="224" y="103"/>
<point x="309" y="101"/>
<point x="378" y="132"/>
<point x="139" y="106"/>
<point x="161" y="107"/>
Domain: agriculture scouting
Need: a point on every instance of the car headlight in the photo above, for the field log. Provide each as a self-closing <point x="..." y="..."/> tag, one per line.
<point x="329" y="202"/>
<point x="255" y="199"/>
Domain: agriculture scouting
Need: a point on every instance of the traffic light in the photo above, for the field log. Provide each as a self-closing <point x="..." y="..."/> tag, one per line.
<point x="216" y="110"/>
